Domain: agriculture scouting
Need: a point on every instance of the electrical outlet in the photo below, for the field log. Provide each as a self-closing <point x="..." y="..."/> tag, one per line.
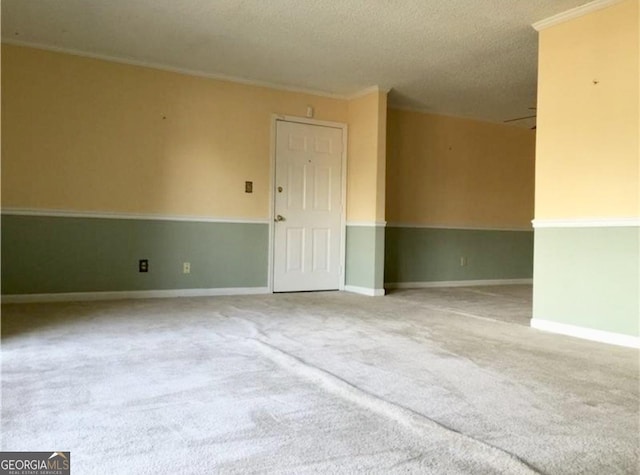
<point x="463" y="261"/>
<point x="186" y="267"/>
<point x="143" y="265"/>
<point x="248" y="187"/>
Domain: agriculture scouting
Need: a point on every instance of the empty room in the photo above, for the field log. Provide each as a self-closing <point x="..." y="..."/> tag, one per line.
<point x="293" y="237"/>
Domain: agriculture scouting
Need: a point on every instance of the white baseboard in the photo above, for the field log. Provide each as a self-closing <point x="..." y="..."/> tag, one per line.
<point x="586" y="333"/>
<point x="132" y="294"/>
<point x="364" y="290"/>
<point x="455" y="283"/>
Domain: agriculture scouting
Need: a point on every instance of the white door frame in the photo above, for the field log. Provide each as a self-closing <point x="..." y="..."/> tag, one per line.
<point x="272" y="198"/>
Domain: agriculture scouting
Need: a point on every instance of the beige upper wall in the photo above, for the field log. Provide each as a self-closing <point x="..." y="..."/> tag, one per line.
<point x="381" y="183"/>
<point x="587" y="163"/>
<point x="367" y="157"/>
<point x="458" y="172"/>
<point x="89" y="135"/>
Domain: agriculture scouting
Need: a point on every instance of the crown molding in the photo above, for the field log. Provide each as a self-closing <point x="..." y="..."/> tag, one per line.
<point x="367" y="91"/>
<point x="183" y="71"/>
<point x="574" y="13"/>
<point x="425" y="111"/>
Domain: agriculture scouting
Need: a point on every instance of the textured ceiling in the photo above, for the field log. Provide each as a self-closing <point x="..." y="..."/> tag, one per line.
<point x="473" y="58"/>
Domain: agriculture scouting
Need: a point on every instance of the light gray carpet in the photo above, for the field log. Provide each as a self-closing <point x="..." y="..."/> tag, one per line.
<point x="424" y="381"/>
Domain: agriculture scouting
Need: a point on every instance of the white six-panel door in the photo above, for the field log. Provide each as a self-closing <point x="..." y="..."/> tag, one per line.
<point x="308" y="207"/>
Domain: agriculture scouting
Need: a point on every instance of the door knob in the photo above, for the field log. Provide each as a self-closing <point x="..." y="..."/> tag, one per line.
<point x="279" y="218"/>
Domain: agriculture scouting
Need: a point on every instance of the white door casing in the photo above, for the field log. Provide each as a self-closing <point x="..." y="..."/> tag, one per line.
<point x="308" y="198"/>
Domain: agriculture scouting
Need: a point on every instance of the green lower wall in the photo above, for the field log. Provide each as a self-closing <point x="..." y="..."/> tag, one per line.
<point x="433" y="255"/>
<point x="365" y="256"/>
<point x="70" y="254"/>
<point x="588" y="277"/>
<point x="61" y="254"/>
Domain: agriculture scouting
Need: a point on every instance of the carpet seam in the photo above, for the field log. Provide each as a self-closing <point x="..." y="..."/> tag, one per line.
<point x="332" y="383"/>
